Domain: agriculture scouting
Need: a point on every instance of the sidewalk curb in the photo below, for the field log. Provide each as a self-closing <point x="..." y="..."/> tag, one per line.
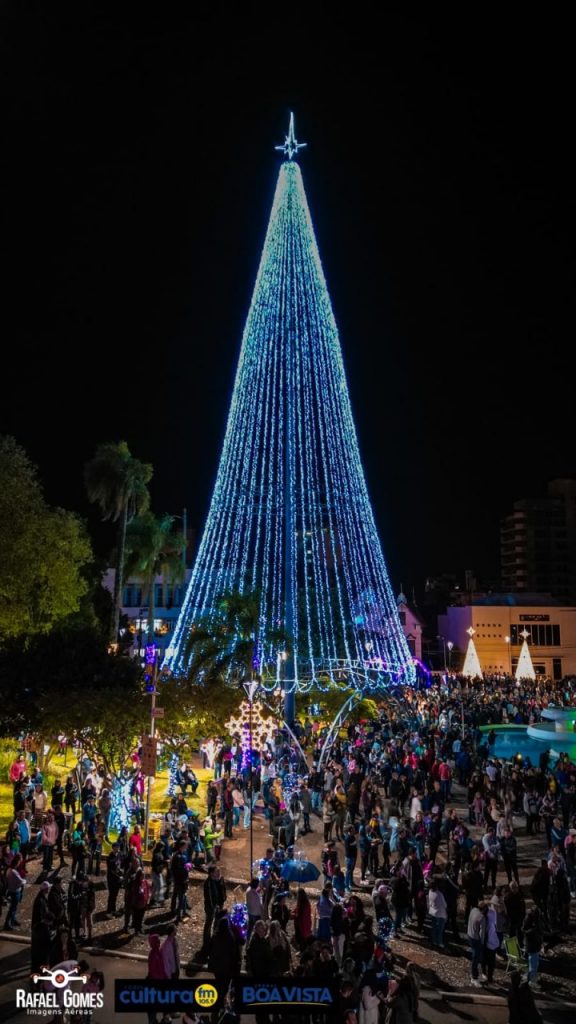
<point x="486" y="998"/>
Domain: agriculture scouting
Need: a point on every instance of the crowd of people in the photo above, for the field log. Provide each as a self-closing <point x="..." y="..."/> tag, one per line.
<point x="427" y="837"/>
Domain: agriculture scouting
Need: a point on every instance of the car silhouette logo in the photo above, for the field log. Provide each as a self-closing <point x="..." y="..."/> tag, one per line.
<point x="59" y="977"/>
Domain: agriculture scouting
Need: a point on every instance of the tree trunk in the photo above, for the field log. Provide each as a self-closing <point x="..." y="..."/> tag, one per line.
<point x="119" y="580"/>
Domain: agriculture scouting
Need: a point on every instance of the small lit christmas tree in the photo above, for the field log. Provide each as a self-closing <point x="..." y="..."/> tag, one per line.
<point x="472" y="665"/>
<point x="524" y="668"/>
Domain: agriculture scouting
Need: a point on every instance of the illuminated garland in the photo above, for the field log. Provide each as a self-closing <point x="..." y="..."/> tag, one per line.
<point x="290" y="498"/>
<point x="173" y="775"/>
<point x="121" y="810"/>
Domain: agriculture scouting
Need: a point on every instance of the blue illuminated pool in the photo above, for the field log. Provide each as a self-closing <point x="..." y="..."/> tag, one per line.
<point x="511" y="741"/>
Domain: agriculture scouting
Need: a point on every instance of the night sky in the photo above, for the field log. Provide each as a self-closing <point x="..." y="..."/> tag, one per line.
<point x="137" y="176"/>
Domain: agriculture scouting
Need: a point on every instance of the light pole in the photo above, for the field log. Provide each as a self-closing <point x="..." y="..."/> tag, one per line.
<point x="443" y="639"/>
<point x="151" y="672"/>
<point x="449" y="645"/>
<point x="251" y="689"/>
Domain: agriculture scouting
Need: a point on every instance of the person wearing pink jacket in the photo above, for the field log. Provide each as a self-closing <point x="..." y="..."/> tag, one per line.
<point x="49" y="840"/>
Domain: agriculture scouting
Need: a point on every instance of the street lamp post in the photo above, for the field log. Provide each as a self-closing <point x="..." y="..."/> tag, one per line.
<point x="449" y="645"/>
<point x="443" y="639"/>
<point x="151" y="662"/>
<point x="251" y="689"/>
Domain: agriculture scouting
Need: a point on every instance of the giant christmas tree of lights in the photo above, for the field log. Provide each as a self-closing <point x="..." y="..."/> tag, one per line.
<point x="290" y="515"/>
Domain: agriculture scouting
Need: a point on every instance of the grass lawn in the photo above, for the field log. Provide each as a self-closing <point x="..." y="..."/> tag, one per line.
<point x="160" y="800"/>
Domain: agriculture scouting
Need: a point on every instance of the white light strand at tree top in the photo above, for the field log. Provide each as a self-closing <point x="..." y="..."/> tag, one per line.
<point x="290" y="515"/>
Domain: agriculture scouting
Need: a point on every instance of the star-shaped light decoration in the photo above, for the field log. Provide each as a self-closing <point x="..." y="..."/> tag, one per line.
<point x="470" y="631"/>
<point x="524" y="634"/>
<point x="291" y="146"/>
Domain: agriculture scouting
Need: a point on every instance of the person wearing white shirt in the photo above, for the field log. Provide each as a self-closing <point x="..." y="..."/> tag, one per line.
<point x="254" y="907"/>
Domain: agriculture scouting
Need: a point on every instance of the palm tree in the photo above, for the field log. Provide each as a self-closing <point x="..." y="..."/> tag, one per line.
<point x="154" y="549"/>
<point x="228" y="644"/>
<point x="116" y="482"/>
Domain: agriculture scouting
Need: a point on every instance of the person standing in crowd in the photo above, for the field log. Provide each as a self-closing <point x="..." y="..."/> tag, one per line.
<point x="253" y="905"/>
<point x="114" y="879"/>
<point x="533" y="939"/>
<point x="15" y="882"/>
<point x="214" y="902"/>
<point x="171" y="954"/>
<point x="156" y="969"/>
<point x="438" y="913"/>
<point x="48" y="841"/>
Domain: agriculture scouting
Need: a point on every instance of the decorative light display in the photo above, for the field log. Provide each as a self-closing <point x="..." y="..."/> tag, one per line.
<point x="525" y="667"/>
<point x="290" y="515"/>
<point x="173" y="775"/>
<point x="121" y="810"/>
<point x="290" y="785"/>
<point x="239" y="919"/>
<point x="471" y="667"/>
<point x="261" y="869"/>
<point x="239" y="725"/>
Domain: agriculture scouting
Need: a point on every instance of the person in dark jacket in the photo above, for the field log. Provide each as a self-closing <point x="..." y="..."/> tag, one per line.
<point x="533" y="940"/>
<point x="179" y="873"/>
<point x="224" y="955"/>
<point x="509" y="851"/>
<point x="515" y="911"/>
<point x="57" y="903"/>
<point x="540" y="887"/>
<point x="114" y="879"/>
<point x="214" y="900"/>
<point x="259" y="952"/>
<point x="42" y="922"/>
<point x="521" y="1005"/>
<point x="62" y="947"/>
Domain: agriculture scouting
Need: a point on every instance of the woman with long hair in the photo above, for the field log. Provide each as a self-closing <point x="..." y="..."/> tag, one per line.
<point x="302" y="917"/>
<point x="278" y="941"/>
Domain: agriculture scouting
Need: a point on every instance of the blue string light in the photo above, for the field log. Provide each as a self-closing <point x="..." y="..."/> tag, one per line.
<point x="173" y="775"/>
<point x="291" y="450"/>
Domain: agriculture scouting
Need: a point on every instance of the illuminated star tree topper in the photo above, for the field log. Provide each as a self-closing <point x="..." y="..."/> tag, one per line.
<point x="291" y="146"/>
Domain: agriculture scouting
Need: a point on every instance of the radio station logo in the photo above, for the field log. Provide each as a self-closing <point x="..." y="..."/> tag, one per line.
<point x="164" y="996"/>
<point x="206" y="996"/>
<point x="311" y="997"/>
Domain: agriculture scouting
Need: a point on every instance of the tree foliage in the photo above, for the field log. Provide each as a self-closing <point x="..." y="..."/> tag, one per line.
<point x="153" y="549"/>
<point x="228" y="644"/>
<point x="117" y="483"/>
<point x="43" y="551"/>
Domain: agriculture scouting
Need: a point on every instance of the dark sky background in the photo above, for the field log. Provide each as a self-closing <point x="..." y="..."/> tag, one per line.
<point x="136" y="180"/>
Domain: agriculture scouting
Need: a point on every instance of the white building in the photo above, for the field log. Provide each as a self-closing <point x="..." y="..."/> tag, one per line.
<point x="168" y="600"/>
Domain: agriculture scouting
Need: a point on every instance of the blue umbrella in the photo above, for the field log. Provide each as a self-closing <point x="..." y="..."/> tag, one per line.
<point x="299" y="871"/>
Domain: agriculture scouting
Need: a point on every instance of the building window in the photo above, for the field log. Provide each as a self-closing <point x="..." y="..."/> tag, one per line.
<point x="539" y="634"/>
<point x="402" y="617"/>
<point x="127" y="598"/>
